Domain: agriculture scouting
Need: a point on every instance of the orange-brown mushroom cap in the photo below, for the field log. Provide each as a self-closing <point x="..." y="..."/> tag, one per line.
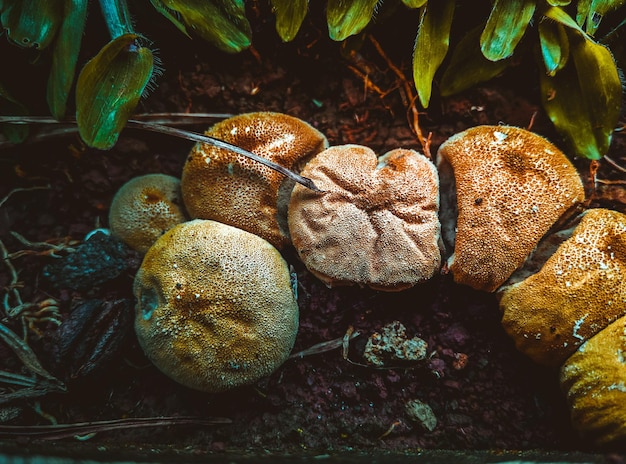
<point x="375" y="223"/>
<point x="512" y="186"/>
<point x="594" y="381"/>
<point x="579" y="290"/>
<point x="230" y="188"/>
<point x="215" y="306"/>
<point x="144" y="208"/>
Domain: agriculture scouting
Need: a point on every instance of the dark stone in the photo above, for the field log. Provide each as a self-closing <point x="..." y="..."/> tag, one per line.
<point x="98" y="260"/>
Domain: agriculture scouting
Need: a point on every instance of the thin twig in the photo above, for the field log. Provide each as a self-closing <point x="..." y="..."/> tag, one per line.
<point x="614" y="164"/>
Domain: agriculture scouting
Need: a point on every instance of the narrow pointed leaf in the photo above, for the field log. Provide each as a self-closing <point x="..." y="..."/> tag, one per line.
<point x="289" y="17"/>
<point x="554" y="45"/>
<point x="560" y="16"/>
<point x="431" y="45"/>
<point x="583" y="99"/>
<point x="415" y="3"/>
<point x="109" y="87"/>
<point x="65" y="56"/>
<point x="346" y="18"/>
<point x="221" y="22"/>
<point x="468" y="66"/>
<point x="32" y="23"/>
<point x="15" y="133"/>
<point x="505" y="27"/>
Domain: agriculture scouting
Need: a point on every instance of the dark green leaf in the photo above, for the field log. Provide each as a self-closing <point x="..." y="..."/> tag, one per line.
<point x="346" y="18"/>
<point x="554" y="45"/>
<point x="583" y="99"/>
<point x="415" y="3"/>
<point x="15" y="133"/>
<point x="65" y="55"/>
<point x="221" y="22"/>
<point x="468" y="66"/>
<point x="505" y="27"/>
<point x="109" y="87"/>
<point x="32" y="23"/>
<point x="172" y="16"/>
<point x="431" y="45"/>
<point x="289" y="17"/>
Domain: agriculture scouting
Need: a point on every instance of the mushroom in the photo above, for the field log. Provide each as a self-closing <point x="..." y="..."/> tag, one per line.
<point x="594" y="381"/>
<point x="220" y="185"/>
<point x="215" y="306"/>
<point x="144" y="208"/>
<point x="375" y="222"/>
<point x="579" y="290"/>
<point x="511" y="186"/>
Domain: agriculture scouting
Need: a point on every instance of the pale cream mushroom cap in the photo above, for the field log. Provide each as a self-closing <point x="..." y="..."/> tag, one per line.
<point x="215" y="306"/>
<point x="594" y="381"/>
<point x="144" y="208"/>
<point x="512" y="186"/>
<point x="375" y="222"/>
<point x="230" y="188"/>
<point x="579" y="290"/>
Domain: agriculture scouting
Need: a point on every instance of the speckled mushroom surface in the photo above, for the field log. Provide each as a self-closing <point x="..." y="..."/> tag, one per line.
<point x="375" y="223"/>
<point x="215" y="306"/>
<point x="594" y="381"/>
<point x="578" y="291"/>
<point x="144" y="208"/>
<point x="511" y="187"/>
<point x="230" y="188"/>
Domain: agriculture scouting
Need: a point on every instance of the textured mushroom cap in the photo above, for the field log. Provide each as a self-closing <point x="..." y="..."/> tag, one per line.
<point x="230" y="188"/>
<point x="215" y="306"/>
<point x="594" y="381"/>
<point x="376" y="221"/>
<point x="512" y="186"/>
<point x="144" y="208"/>
<point x="578" y="291"/>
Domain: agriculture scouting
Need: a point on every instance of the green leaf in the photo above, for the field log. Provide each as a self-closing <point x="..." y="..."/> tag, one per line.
<point x="583" y="99"/>
<point x="414" y="3"/>
<point x="431" y="45"/>
<point x="9" y="106"/>
<point x="505" y="27"/>
<point x="468" y="66"/>
<point x="597" y="10"/>
<point x="289" y="17"/>
<point x="109" y="87"/>
<point x="559" y="2"/>
<point x="554" y="45"/>
<point x="65" y="56"/>
<point x="221" y="22"/>
<point x="582" y="11"/>
<point x="348" y="17"/>
<point x="560" y="16"/>
<point x="32" y="23"/>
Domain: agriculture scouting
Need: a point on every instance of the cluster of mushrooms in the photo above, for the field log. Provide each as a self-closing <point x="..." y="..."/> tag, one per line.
<point x="217" y="305"/>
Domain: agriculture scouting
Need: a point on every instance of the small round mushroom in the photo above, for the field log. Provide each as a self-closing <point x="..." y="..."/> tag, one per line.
<point x="230" y="188"/>
<point x="144" y="208"/>
<point x="511" y="186"/>
<point x="594" y="381"/>
<point x="579" y="290"/>
<point x="215" y="306"/>
<point x="375" y="222"/>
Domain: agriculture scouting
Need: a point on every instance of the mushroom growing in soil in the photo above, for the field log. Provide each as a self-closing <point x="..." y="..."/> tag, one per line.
<point x="220" y="185"/>
<point x="375" y="222"/>
<point x="215" y="306"/>
<point x="503" y="188"/>
<point x="579" y="290"/>
<point x="144" y="208"/>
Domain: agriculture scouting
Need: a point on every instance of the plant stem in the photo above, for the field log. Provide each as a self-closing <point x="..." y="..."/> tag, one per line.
<point x="117" y="17"/>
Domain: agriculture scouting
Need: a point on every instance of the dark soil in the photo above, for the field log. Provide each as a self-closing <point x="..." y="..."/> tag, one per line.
<point x="483" y="393"/>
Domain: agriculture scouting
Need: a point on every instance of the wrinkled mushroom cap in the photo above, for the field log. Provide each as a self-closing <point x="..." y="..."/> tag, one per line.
<point x="376" y="221"/>
<point x="144" y="208"/>
<point x="594" y="381"/>
<point x="215" y="306"/>
<point x="230" y="188"/>
<point x="579" y="291"/>
<point x="512" y="186"/>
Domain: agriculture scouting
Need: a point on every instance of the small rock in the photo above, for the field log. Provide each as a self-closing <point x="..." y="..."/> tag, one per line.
<point x="421" y="413"/>
<point x="392" y="344"/>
